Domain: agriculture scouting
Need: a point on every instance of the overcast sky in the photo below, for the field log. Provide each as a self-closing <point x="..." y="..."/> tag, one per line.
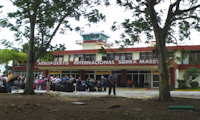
<point x="113" y="13"/>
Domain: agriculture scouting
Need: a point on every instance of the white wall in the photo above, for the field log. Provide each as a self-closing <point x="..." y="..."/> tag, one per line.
<point x="136" y="55"/>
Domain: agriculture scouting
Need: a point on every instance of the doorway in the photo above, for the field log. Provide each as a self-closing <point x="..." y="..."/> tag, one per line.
<point x="155" y="81"/>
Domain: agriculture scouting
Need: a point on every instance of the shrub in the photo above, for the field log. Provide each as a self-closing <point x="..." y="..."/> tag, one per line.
<point x="194" y="84"/>
<point x="191" y="72"/>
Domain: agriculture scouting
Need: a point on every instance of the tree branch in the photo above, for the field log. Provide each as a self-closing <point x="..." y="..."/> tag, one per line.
<point x="153" y="18"/>
<point x="186" y="10"/>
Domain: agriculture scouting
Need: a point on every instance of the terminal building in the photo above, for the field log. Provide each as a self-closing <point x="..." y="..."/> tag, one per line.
<point x="138" y="66"/>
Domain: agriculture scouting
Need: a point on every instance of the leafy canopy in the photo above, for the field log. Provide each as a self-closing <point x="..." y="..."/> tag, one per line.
<point x="7" y="55"/>
<point x="174" y="19"/>
<point x="40" y="20"/>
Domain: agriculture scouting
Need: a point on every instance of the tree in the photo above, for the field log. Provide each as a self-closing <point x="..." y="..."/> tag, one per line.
<point x="149" y="18"/>
<point x="7" y="55"/>
<point x="39" y="20"/>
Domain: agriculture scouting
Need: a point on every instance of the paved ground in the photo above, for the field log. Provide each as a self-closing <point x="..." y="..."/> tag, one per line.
<point x="125" y="93"/>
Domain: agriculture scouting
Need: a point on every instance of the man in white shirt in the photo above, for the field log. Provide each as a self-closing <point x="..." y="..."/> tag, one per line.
<point x="53" y="80"/>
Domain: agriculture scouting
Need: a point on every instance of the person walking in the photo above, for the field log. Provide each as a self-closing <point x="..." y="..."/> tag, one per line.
<point x="112" y="80"/>
<point x="9" y="81"/>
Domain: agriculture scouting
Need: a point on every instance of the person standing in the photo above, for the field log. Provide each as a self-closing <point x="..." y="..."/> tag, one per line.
<point x="57" y="82"/>
<point x="104" y="82"/>
<point x="112" y="80"/>
<point x="53" y="80"/>
<point x="9" y="81"/>
<point x="64" y="81"/>
<point x="36" y="81"/>
<point x="48" y="82"/>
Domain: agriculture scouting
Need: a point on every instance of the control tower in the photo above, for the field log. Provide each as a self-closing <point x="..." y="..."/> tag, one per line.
<point x="94" y="40"/>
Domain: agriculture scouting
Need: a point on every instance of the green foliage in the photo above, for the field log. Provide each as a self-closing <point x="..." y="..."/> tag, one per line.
<point x="7" y="67"/>
<point x="7" y="55"/>
<point x="46" y="18"/>
<point x="191" y="73"/>
<point x="194" y="84"/>
<point x="146" y="18"/>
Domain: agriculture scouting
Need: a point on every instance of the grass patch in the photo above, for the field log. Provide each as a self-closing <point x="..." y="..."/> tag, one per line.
<point x="191" y="88"/>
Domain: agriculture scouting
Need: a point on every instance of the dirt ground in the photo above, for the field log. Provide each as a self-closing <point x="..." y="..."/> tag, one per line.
<point x="46" y="106"/>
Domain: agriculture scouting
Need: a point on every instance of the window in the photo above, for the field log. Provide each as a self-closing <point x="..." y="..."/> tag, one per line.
<point x="93" y="57"/>
<point x="122" y="56"/>
<point x="81" y="58"/>
<point x="58" y="58"/>
<point x="195" y="57"/>
<point x="129" y="56"/>
<point x="143" y="55"/>
<point x="111" y="56"/>
<point x="61" y="58"/>
<point x="116" y="56"/>
<point x="170" y="55"/>
<point x="147" y="55"/>
<point x="87" y="57"/>
<point x="104" y="57"/>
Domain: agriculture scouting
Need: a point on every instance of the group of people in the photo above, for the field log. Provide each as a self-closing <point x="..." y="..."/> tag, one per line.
<point x="12" y="80"/>
<point x="51" y="82"/>
<point x="54" y="82"/>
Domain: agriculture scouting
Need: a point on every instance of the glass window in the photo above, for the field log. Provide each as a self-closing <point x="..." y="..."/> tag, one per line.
<point x="81" y="58"/>
<point x="129" y="56"/>
<point x="87" y="57"/>
<point x="198" y="58"/>
<point x="56" y="57"/>
<point x="111" y="56"/>
<point x="74" y="71"/>
<point x="149" y="55"/>
<point x="145" y="71"/>
<point x="129" y="77"/>
<point x="89" y="72"/>
<point x="104" y="57"/>
<point x="97" y="36"/>
<point x="65" y="71"/>
<point x="132" y="71"/>
<point x="122" y="56"/>
<point x="61" y="58"/>
<point x="117" y="56"/>
<point x="93" y="58"/>
<point x="143" y="55"/>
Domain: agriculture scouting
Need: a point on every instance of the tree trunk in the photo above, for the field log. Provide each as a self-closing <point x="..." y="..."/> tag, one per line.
<point x="29" y="78"/>
<point x="164" y="92"/>
<point x="30" y="64"/>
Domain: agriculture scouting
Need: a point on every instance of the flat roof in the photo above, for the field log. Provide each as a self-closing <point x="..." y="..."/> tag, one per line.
<point x="102" y="32"/>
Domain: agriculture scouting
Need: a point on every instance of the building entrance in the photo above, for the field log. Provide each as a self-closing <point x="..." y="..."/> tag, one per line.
<point x="140" y="79"/>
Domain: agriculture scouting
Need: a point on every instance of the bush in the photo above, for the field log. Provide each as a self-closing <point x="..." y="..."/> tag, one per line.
<point x="194" y="84"/>
<point x="191" y="72"/>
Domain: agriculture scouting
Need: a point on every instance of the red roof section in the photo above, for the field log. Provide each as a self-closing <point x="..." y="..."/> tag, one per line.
<point x="193" y="47"/>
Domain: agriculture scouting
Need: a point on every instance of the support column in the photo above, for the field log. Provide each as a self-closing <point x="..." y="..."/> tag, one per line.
<point x="172" y="77"/>
<point x="123" y="78"/>
<point x="81" y="74"/>
<point x="45" y="72"/>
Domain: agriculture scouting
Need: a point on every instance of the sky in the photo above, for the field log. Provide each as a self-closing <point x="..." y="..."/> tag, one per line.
<point x="113" y="13"/>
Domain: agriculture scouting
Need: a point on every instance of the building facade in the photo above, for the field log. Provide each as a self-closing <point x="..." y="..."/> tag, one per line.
<point x="138" y="65"/>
